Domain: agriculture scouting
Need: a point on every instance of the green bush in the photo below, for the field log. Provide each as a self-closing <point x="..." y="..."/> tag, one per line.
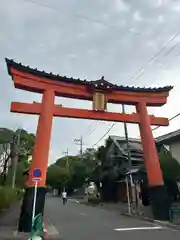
<point x="7" y="197"/>
<point x="94" y="200"/>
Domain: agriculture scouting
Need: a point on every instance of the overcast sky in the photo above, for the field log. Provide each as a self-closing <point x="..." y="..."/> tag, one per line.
<point x="88" y="39"/>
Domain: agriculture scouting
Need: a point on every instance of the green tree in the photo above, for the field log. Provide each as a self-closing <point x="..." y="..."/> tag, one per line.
<point x="170" y="166"/>
<point x="77" y="168"/>
<point x="68" y="161"/>
<point x="9" y="145"/>
<point x="26" y="142"/>
<point x="57" y="177"/>
<point x="78" y="175"/>
<point x="20" y="178"/>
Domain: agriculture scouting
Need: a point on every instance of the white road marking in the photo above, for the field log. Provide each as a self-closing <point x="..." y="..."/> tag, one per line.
<point x="73" y="200"/>
<point x="35" y="238"/>
<point x="82" y="214"/>
<point x="51" y="230"/>
<point x="137" y="228"/>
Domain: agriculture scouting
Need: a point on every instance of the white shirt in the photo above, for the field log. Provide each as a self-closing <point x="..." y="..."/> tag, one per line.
<point x="64" y="194"/>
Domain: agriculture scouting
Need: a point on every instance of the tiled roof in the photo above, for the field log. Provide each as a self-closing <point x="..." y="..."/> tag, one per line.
<point x="168" y="136"/>
<point x="123" y="139"/>
<point x="161" y="139"/>
<point x="97" y="83"/>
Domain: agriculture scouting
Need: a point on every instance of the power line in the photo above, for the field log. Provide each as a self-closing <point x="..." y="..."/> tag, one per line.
<point x="140" y="72"/>
<point x="79" y="16"/>
<point x="104" y="135"/>
<point x="115" y="124"/>
<point x="169" y="121"/>
<point x="91" y="128"/>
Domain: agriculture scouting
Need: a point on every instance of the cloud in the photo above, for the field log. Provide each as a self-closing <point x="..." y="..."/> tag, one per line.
<point x="121" y="6"/>
<point x="88" y="39"/>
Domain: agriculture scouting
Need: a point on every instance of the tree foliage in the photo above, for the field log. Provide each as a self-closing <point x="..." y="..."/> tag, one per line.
<point x="79" y="168"/>
<point x="20" y="178"/>
<point x="10" y="146"/>
<point x="170" y="166"/>
<point x="72" y="172"/>
<point x="6" y="135"/>
<point x="57" y="177"/>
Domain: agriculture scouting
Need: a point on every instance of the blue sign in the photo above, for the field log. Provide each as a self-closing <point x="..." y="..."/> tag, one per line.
<point x="37" y="173"/>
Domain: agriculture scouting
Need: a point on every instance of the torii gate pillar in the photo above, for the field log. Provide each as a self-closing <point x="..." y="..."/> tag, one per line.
<point x="40" y="151"/>
<point x="159" y="199"/>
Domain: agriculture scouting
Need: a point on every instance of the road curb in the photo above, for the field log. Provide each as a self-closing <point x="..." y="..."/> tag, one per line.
<point x="162" y="223"/>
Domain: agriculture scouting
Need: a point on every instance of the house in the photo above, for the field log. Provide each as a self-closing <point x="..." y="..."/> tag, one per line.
<point x="119" y="159"/>
<point x="119" y="153"/>
<point x="116" y="162"/>
<point x="171" y="142"/>
<point x="117" y="149"/>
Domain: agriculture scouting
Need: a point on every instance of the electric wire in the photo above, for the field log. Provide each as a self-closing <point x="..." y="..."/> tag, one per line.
<point x="169" y="121"/>
<point x="79" y="16"/>
<point x="104" y="135"/>
<point x="115" y="123"/>
<point x="135" y="76"/>
<point x="141" y="71"/>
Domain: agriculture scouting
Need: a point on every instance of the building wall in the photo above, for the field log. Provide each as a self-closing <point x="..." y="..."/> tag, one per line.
<point x="175" y="150"/>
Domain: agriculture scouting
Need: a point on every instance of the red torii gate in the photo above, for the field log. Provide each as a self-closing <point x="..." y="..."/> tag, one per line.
<point x="100" y="92"/>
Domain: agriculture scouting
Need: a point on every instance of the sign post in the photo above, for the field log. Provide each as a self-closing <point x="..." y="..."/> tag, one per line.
<point x="128" y="195"/>
<point x="34" y="202"/>
<point x="36" y="178"/>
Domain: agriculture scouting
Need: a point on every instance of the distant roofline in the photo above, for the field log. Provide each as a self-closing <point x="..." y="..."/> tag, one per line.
<point x="168" y="137"/>
<point x="163" y="139"/>
<point x="118" y="138"/>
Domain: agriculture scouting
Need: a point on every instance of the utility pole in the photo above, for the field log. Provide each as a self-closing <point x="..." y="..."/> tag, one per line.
<point x="66" y="153"/>
<point x="80" y="143"/>
<point x="66" y="157"/>
<point x="127" y="139"/>
<point x="15" y="157"/>
<point x="129" y="158"/>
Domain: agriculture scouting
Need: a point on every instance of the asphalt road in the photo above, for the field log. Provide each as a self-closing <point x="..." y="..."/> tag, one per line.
<point x="76" y="221"/>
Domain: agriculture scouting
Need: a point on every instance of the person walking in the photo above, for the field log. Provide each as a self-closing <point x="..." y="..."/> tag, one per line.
<point x="64" y="197"/>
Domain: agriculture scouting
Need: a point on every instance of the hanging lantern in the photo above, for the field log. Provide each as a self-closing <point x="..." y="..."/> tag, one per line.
<point x="99" y="101"/>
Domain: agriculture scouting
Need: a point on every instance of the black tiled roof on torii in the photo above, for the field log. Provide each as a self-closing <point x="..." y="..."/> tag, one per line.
<point x="101" y="82"/>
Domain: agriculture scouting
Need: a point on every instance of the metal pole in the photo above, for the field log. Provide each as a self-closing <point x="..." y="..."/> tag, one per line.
<point x="128" y="152"/>
<point x="15" y="160"/>
<point x="34" y="202"/>
<point x="127" y="139"/>
<point x="67" y="161"/>
<point x="127" y="189"/>
<point x="66" y="158"/>
<point x="81" y="144"/>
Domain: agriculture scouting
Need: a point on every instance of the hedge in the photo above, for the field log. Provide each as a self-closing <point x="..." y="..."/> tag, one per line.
<point x="7" y="197"/>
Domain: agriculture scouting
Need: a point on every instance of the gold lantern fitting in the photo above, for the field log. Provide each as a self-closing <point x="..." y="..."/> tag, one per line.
<point x="99" y="101"/>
